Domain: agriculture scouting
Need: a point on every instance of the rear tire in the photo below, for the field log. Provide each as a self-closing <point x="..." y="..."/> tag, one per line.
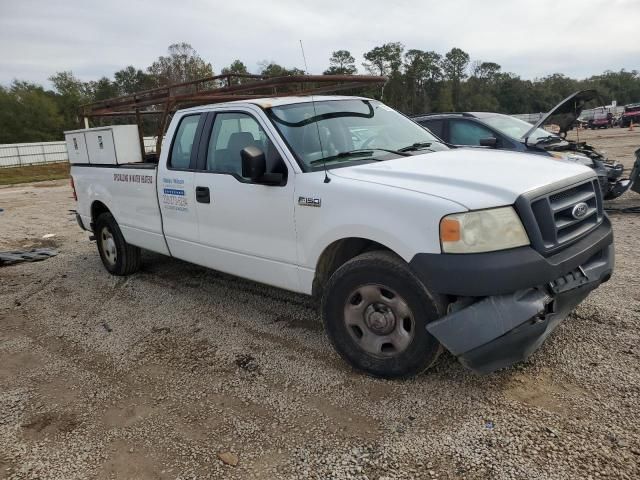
<point x="118" y="257"/>
<point x="375" y="312"/>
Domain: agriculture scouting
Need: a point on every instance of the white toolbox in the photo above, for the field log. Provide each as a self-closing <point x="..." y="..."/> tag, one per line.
<point x="112" y="145"/>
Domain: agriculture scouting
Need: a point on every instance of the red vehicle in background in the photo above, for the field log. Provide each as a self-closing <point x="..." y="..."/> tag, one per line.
<point x="631" y="114"/>
<point x="601" y="120"/>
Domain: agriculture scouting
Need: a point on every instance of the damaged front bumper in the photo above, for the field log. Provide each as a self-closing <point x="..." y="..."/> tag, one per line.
<point x="616" y="185"/>
<point x="497" y="330"/>
<point x="501" y="330"/>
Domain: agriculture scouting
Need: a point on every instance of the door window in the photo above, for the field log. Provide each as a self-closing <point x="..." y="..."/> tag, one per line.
<point x="233" y="132"/>
<point x="465" y="132"/>
<point x="183" y="142"/>
<point x="435" y="126"/>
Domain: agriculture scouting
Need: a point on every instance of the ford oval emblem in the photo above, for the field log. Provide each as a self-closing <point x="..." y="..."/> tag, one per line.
<point x="579" y="210"/>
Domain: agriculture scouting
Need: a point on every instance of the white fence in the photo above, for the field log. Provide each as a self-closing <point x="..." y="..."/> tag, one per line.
<point x="19" y="154"/>
<point x="22" y="154"/>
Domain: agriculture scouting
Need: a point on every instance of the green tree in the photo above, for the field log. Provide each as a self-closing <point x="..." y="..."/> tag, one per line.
<point x="272" y="69"/>
<point x="384" y="60"/>
<point x="479" y="92"/>
<point x="102" y="89"/>
<point x="236" y="67"/>
<point x="513" y="94"/>
<point x="417" y="81"/>
<point x="182" y="64"/>
<point x="550" y="90"/>
<point x="130" y="80"/>
<point x="29" y="114"/>
<point x="444" y="99"/>
<point x="67" y="85"/>
<point x="387" y="60"/>
<point x="341" y="63"/>
<point x="70" y="94"/>
<point x="454" y="66"/>
<point x="485" y="71"/>
<point x="622" y="86"/>
<point x="421" y="73"/>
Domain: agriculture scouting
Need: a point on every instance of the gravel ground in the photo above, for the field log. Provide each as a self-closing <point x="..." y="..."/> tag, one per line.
<point x="181" y="372"/>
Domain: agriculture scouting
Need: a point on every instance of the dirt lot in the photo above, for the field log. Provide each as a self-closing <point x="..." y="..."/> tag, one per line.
<point x="155" y="375"/>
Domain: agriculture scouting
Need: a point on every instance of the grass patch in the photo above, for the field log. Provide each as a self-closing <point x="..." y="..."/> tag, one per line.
<point x="34" y="173"/>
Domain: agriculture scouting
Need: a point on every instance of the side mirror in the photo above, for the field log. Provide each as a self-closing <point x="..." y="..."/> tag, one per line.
<point x="491" y="142"/>
<point x="254" y="167"/>
<point x="254" y="164"/>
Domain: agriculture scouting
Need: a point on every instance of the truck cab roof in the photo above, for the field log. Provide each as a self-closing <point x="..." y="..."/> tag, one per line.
<point x="268" y="102"/>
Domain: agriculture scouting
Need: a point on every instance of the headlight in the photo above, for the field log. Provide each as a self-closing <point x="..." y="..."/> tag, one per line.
<point x="482" y="231"/>
<point x="573" y="157"/>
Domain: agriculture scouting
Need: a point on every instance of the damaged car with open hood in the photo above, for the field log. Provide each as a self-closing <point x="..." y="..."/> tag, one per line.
<point x="546" y="137"/>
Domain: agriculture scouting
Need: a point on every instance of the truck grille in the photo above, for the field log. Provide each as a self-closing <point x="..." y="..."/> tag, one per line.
<point x="553" y="224"/>
<point x="603" y="183"/>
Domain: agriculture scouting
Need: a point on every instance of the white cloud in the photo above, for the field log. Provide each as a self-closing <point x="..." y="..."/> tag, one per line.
<point x="529" y="37"/>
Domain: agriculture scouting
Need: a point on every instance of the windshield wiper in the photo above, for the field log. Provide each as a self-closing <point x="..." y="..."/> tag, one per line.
<point x="415" y="146"/>
<point x="359" y="152"/>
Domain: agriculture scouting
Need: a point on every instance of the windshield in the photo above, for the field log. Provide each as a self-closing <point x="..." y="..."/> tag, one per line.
<point x="515" y="128"/>
<point x="332" y="129"/>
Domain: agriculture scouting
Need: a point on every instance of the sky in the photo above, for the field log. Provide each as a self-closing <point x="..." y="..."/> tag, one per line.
<point x="531" y="38"/>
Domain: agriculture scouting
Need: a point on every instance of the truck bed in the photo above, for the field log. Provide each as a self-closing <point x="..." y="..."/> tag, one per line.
<point x="129" y="192"/>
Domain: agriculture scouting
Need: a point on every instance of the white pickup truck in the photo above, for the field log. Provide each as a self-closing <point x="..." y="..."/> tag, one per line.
<point x="409" y="245"/>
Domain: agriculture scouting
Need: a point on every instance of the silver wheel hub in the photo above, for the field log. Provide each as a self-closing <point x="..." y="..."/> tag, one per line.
<point x="379" y="320"/>
<point x="108" y="246"/>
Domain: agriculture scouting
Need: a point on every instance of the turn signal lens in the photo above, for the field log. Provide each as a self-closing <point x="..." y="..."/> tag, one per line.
<point x="449" y="230"/>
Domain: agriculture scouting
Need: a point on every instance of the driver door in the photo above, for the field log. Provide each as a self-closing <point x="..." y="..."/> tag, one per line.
<point x="245" y="229"/>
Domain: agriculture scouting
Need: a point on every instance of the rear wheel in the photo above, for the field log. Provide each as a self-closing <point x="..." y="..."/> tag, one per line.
<point x="118" y="257"/>
<point x="375" y="312"/>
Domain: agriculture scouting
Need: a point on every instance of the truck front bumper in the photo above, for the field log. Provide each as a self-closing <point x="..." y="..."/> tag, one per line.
<point x="488" y="330"/>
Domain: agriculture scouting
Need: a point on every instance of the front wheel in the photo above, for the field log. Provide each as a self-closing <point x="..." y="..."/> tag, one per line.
<point x="118" y="257"/>
<point x="375" y="313"/>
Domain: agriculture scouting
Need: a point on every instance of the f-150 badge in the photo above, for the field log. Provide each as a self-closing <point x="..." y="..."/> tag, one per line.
<point x="309" y="202"/>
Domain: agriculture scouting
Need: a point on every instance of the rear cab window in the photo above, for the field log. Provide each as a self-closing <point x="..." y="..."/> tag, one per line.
<point x="182" y="147"/>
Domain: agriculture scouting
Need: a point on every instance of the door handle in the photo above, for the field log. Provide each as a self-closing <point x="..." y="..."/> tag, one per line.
<point x="202" y="195"/>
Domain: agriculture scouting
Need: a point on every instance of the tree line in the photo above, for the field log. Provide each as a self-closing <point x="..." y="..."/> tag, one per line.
<point x="419" y="81"/>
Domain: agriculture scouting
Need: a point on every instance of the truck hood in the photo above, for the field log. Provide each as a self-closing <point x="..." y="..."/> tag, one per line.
<point x="473" y="178"/>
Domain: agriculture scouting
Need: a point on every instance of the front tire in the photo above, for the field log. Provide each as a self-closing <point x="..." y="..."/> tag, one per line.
<point x="375" y="312"/>
<point x="118" y="257"/>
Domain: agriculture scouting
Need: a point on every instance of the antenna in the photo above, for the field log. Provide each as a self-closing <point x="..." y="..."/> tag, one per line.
<point x="315" y="114"/>
<point x="304" y="59"/>
<point x="575" y="108"/>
